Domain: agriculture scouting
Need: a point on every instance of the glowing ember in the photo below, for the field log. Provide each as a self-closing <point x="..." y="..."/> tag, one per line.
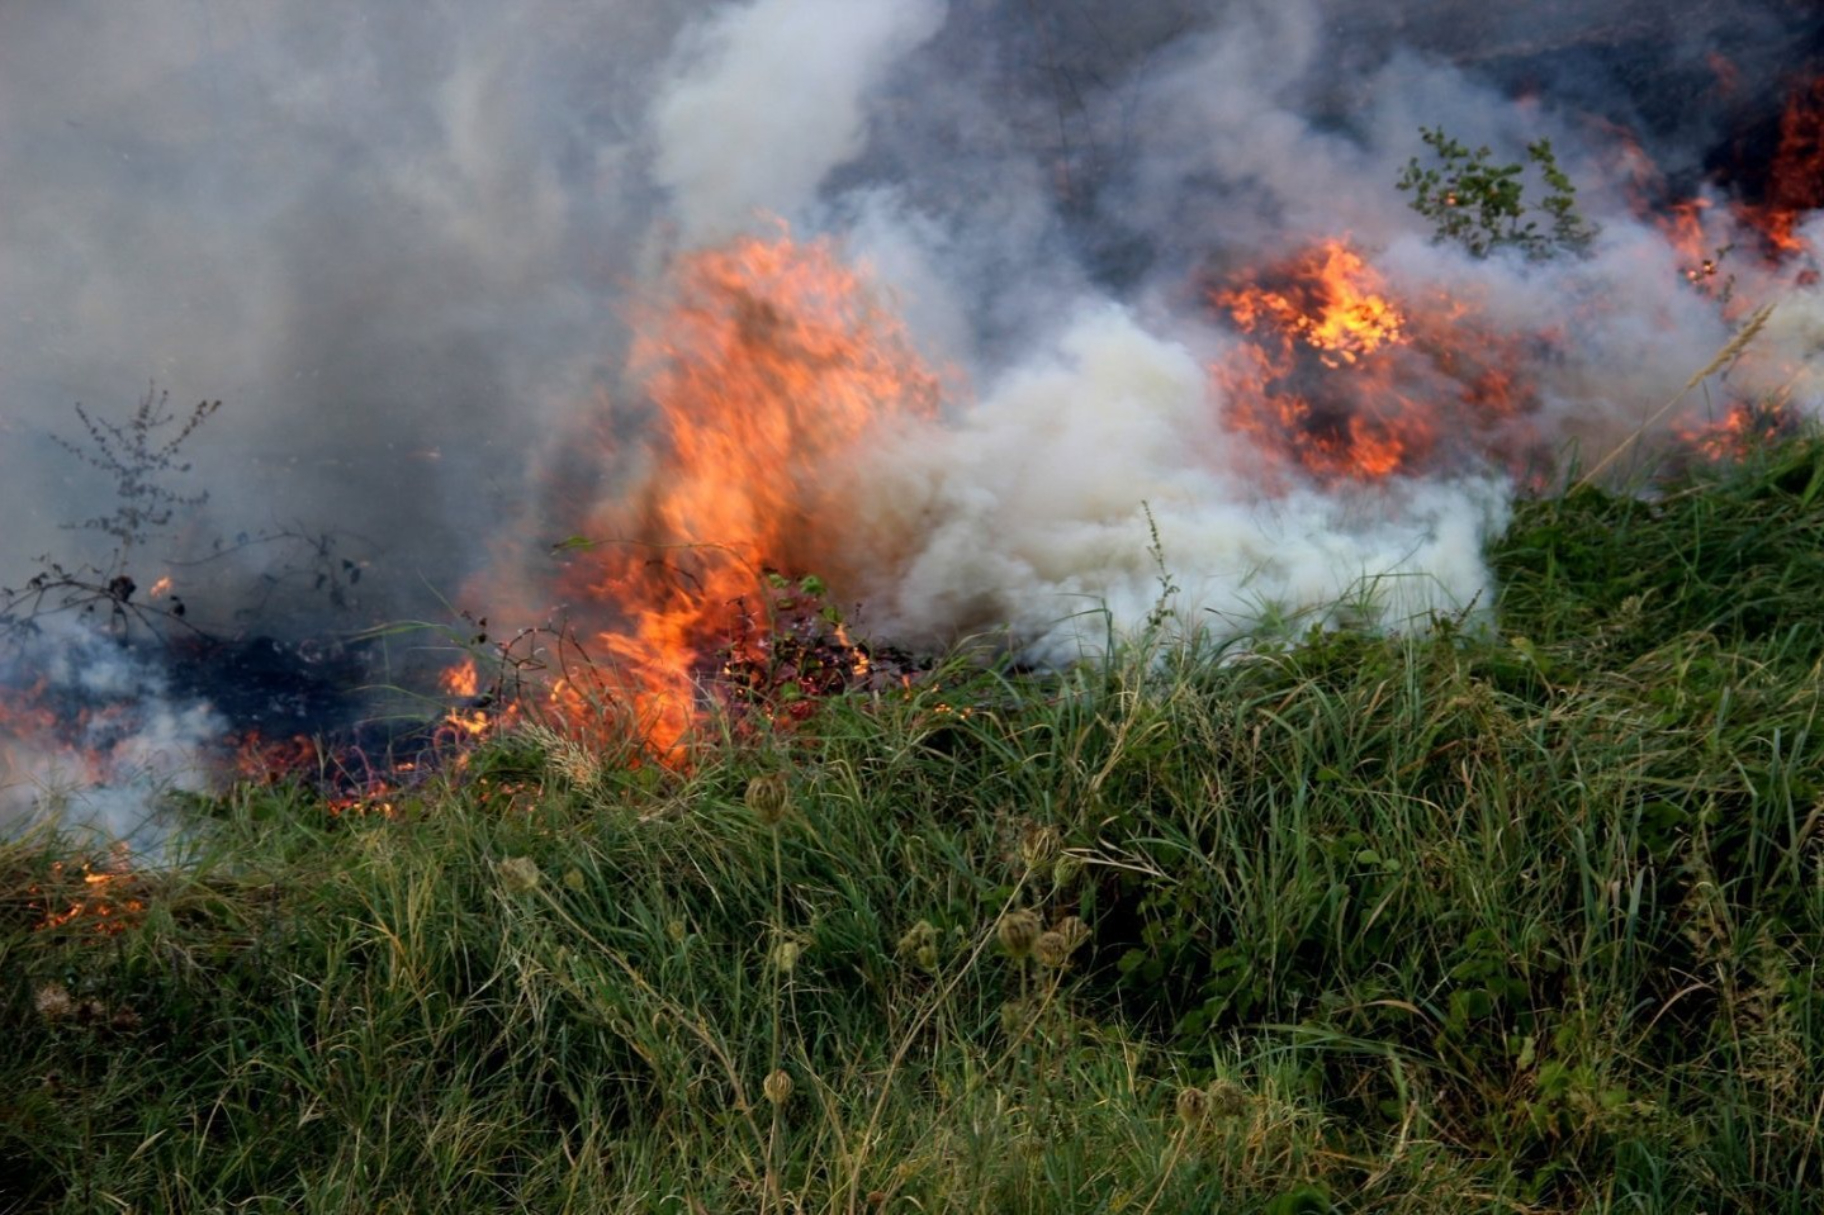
<point x="105" y="902"/>
<point x="1342" y="380"/>
<point x="769" y="365"/>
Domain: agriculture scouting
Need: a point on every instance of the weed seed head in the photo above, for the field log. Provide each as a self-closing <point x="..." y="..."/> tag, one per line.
<point x="1052" y="949"/>
<point x="518" y="874"/>
<point x="1074" y="931"/>
<point x="767" y="797"/>
<point x="1227" y="1099"/>
<point x="573" y="879"/>
<point x="785" y="956"/>
<point x="920" y="944"/>
<point x="1193" y="1106"/>
<point x="53" y="1002"/>
<point x="1038" y="845"/>
<point x="1019" y="931"/>
<point x="778" y="1087"/>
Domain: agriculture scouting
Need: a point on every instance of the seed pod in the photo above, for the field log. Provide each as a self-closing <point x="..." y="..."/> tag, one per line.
<point x="1074" y="931"/>
<point x="920" y="936"/>
<point x="1052" y="950"/>
<point x="1018" y="931"/>
<point x="1038" y="845"/>
<point x="778" y="1087"/>
<point x="767" y="796"/>
<point x="518" y="874"/>
<point x="53" y="1002"/>
<point x="1193" y="1105"/>
<point x="1227" y="1099"/>
<point x="785" y="956"/>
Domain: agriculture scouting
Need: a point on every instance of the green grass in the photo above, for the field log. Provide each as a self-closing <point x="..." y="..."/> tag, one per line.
<point x="1512" y="918"/>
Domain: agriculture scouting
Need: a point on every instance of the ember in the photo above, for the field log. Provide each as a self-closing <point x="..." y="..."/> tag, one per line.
<point x="106" y="901"/>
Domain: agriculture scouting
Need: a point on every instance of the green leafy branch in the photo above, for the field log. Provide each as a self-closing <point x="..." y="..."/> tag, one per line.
<point x="1483" y="206"/>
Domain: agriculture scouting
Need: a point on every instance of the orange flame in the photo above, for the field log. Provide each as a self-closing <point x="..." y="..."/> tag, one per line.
<point x="107" y="903"/>
<point x="1745" y="426"/>
<point x="461" y="680"/>
<point x="769" y="364"/>
<point x="1345" y="382"/>
<point x="1795" y="180"/>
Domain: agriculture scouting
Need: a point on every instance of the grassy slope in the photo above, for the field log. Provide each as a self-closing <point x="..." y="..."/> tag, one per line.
<point x="1525" y="920"/>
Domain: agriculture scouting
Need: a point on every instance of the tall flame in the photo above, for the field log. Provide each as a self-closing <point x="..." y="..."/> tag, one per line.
<point x="1795" y="179"/>
<point x="769" y="363"/>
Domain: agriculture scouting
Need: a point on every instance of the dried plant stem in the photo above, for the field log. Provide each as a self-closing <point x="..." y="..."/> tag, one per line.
<point x="1724" y="357"/>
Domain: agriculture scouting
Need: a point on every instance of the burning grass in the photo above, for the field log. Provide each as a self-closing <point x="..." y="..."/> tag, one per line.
<point x="768" y="364"/>
<point x="1516" y="920"/>
<point x="1340" y="380"/>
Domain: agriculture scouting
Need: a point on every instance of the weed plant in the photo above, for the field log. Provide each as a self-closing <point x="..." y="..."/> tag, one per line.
<point x="1517" y="918"/>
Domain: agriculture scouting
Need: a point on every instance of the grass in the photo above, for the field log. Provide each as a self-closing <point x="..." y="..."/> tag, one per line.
<point x="1522" y="918"/>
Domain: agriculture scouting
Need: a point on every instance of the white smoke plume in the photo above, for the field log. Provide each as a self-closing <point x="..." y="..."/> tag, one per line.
<point x="766" y="98"/>
<point x="1030" y="514"/>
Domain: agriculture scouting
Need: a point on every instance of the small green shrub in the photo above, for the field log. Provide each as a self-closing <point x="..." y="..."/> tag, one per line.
<point x="1484" y="207"/>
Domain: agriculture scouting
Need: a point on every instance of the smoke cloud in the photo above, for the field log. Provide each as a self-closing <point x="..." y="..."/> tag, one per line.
<point x="95" y="736"/>
<point x="765" y="99"/>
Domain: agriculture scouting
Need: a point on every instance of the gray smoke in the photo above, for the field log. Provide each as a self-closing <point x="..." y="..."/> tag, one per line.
<point x="95" y="737"/>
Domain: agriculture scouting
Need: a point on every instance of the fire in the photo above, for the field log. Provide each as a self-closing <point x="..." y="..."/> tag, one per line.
<point x="461" y="680"/>
<point x="51" y="739"/>
<point x="1687" y="228"/>
<point x="1343" y="380"/>
<point x="1795" y="180"/>
<point x="1743" y="428"/>
<point x="1338" y="310"/>
<point x="106" y="902"/>
<point x="769" y="364"/>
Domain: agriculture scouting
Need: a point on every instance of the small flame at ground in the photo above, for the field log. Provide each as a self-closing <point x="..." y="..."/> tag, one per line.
<point x="107" y="901"/>
<point x="461" y="679"/>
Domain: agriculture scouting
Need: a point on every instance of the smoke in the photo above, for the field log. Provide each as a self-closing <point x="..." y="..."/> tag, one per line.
<point x="94" y="737"/>
<point x="406" y="246"/>
<point x="765" y="98"/>
<point x="1098" y="470"/>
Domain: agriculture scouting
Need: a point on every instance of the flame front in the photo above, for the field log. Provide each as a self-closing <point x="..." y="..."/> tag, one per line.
<point x="770" y="364"/>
